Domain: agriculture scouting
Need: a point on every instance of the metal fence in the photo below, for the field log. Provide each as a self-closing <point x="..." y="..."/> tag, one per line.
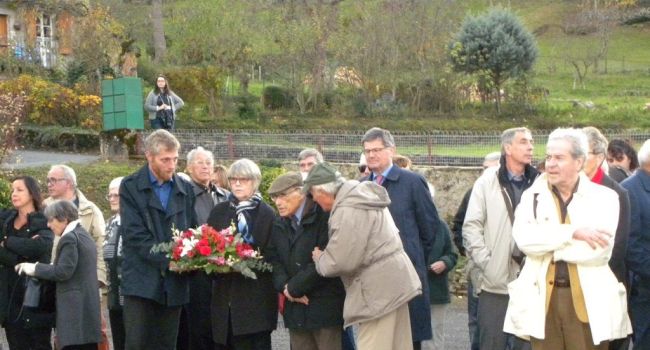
<point x="439" y="148"/>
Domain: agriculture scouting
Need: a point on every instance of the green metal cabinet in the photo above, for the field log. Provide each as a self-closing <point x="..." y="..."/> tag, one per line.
<point x="122" y="104"/>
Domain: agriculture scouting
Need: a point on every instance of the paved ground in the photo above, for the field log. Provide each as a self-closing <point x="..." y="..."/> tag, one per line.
<point x="455" y="332"/>
<point x="24" y="159"/>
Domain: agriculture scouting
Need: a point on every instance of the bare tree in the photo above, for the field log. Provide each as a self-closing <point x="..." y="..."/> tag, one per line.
<point x="159" y="42"/>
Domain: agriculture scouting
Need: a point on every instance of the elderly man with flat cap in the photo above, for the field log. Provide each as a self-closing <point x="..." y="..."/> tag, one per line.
<point x="366" y="251"/>
<point x="313" y="309"/>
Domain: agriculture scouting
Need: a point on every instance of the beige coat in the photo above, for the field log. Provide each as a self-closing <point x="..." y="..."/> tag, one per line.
<point x="542" y="237"/>
<point x="365" y="250"/>
<point x="487" y="233"/>
<point x="92" y="220"/>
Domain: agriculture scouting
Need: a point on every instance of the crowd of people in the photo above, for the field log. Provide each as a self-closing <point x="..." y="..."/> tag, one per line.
<point x="556" y="255"/>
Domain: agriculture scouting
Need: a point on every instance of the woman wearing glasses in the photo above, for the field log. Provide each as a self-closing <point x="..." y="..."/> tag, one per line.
<point x="244" y="311"/>
<point x="113" y="260"/>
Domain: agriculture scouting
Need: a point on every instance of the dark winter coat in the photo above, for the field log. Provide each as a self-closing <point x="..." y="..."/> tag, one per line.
<point x="617" y="260"/>
<point x="443" y="250"/>
<point x="250" y="306"/>
<point x="144" y="224"/>
<point x="293" y="266"/>
<point x="18" y="249"/>
<point x="77" y="300"/>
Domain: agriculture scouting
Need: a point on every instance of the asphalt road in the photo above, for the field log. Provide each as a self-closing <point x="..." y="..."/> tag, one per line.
<point x="26" y="159"/>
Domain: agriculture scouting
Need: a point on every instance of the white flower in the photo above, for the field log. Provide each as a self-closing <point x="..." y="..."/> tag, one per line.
<point x="188" y="245"/>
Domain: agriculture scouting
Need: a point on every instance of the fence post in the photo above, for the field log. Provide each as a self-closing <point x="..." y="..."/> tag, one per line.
<point x="321" y="145"/>
<point x="231" y="146"/>
<point x="429" y="149"/>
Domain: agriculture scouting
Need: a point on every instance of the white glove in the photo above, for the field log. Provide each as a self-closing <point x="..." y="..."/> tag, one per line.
<point x="26" y="269"/>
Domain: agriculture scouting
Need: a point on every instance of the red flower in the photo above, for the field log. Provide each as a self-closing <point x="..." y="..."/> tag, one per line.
<point x="205" y="250"/>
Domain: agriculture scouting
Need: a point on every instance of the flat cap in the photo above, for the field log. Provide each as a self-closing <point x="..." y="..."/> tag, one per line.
<point x="320" y="174"/>
<point x="284" y="182"/>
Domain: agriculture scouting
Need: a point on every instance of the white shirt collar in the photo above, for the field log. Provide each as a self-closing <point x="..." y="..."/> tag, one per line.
<point x="71" y="226"/>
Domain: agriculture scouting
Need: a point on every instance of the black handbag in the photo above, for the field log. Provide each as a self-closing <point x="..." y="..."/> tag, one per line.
<point x="39" y="303"/>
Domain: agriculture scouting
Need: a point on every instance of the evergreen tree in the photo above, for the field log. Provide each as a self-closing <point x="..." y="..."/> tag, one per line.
<point x="494" y="46"/>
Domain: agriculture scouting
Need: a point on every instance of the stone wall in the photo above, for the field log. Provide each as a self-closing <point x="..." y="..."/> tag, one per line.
<point x="450" y="183"/>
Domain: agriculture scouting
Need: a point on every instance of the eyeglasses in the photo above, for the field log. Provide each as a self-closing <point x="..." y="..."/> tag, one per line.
<point x="362" y="168"/>
<point x="373" y="150"/>
<point x="53" y="180"/>
<point x="111" y="196"/>
<point x="241" y="180"/>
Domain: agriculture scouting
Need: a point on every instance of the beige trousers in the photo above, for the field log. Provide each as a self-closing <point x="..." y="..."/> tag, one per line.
<point x="389" y="332"/>
<point x="563" y="330"/>
<point x="328" y="338"/>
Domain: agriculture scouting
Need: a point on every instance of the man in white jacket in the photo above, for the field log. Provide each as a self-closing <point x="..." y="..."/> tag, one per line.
<point x="566" y="296"/>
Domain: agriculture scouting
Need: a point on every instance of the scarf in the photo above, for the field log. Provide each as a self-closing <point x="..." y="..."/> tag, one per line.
<point x="243" y="210"/>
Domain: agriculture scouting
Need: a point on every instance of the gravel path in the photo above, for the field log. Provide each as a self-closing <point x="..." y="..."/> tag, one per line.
<point x="26" y="159"/>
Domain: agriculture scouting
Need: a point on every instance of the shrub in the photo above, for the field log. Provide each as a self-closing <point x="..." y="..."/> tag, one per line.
<point x="198" y="84"/>
<point x="275" y="97"/>
<point x="11" y="116"/>
<point x="49" y="103"/>
<point x="5" y="194"/>
<point x="268" y="175"/>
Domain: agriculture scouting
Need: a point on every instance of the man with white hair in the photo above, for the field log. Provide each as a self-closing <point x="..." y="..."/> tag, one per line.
<point x="638" y="251"/>
<point x="307" y="158"/>
<point x="196" y="331"/>
<point x="566" y="296"/>
<point x="62" y="185"/>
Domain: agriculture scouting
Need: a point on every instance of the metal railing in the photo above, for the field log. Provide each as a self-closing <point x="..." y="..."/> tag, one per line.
<point x="439" y="148"/>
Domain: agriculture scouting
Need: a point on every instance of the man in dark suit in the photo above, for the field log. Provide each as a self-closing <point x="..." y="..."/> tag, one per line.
<point x="152" y="200"/>
<point x="638" y="253"/>
<point x="414" y="213"/>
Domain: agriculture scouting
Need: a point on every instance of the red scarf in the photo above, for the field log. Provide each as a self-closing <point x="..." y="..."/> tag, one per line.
<point x="598" y="177"/>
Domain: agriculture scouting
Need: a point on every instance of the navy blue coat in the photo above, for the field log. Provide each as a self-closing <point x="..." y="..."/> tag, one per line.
<point x="638" y="256"/>
<point x="416" y="218"/>
<point x="144" y="224"/>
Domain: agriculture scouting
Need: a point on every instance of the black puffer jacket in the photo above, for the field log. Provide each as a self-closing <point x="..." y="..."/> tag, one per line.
<point x="33" y="244"/>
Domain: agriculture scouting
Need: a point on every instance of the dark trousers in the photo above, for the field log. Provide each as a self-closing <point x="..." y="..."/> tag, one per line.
<point x="640" y="315"/>
<point x="18" y="337"/>
<point x="116" y="318"/>
<point x="89" y="346"/>
<point x="150" y="325"/>
<point x="491" y="316"/>
<point x="255" y="341"/>
<point x="347" y="339"/>
<point x="472" y="317"/>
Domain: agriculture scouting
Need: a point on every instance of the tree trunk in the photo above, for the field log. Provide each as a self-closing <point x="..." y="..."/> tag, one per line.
<point x="159" y="43"/>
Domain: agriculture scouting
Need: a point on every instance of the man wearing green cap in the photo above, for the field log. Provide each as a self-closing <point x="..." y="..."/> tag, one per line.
<point x="365" y="250"/>
<point x="313" y="310"/>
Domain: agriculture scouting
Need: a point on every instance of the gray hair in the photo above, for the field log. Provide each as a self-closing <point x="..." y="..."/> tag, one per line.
<point x="199" y="150"/>
<point x="158" y="139"/>
<point x="310" y="152"/>
<point x="508" y="135"/>
<point x="331" y="188"/>
<point x="492" y="157"/>
<point x="246" y="168"/>
<point x="68" y="173"/>
<point x="644" y="153"/>
<point x="115" y="183"/>
<point x="62" y="210"/>
<point x="379" y="133"/>
<point x="597" y="142"/>
<point x="576" y="139"/>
